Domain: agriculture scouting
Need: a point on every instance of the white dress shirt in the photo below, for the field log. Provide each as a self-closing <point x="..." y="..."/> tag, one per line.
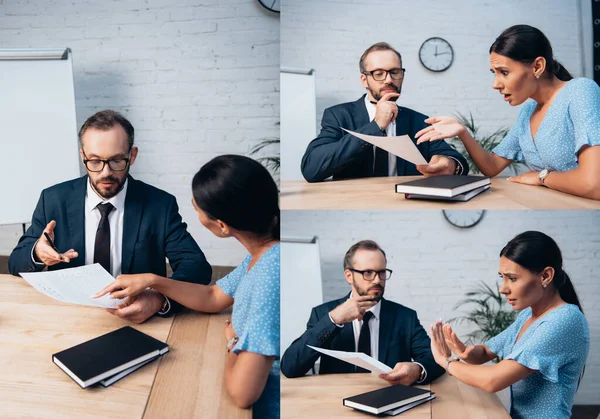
<point x="115" y="220"/>
<point x="390" y="131"/>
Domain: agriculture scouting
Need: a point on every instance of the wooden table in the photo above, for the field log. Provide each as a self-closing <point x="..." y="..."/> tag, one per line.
<point x="380" y="193"/>
<point x="187" y="382"/>
<point x="321" y="396"/>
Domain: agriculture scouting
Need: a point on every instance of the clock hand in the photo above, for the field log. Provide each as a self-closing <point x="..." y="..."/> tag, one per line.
<point x="436" y="53"/>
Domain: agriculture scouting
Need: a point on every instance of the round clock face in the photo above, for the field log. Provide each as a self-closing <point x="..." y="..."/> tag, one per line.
<point x="272" y="5"/>
<point x="463" y="218"/>
<point x="436" y="54"/>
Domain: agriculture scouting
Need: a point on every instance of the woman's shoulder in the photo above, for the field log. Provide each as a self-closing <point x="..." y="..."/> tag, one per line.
<point x="582" y="85"/>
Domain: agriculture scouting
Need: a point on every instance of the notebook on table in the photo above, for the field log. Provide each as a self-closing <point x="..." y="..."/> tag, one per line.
<point x="111" y="380"/>
<point x="409" y="406"/>
<point x="386" y="399"/>
<point x="463" y="197"/>
<point x="443" y="186"/>
<point x="108" y="355"/>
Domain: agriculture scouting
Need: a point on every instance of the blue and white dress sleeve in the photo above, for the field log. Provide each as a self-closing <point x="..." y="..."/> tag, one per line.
<point x="510" y="146"/>
<point x="230" y="282"/>
<point x="584" y="111"/>
<point x="262" y="332"/>
<point x="549" y="347"/>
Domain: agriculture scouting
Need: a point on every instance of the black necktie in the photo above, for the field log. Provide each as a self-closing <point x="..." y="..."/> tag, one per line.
<point x="102" y="243"/>
<point x="364" y="339"/>
<point x="380" y="168"/>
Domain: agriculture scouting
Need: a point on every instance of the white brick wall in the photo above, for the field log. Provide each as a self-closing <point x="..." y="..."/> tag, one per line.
<point x="331" y="35"/>
<point x="435" y="263"/>
<point x="196" y="78"/>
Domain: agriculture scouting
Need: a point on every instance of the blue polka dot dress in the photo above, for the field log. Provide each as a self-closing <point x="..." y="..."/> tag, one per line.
<point x="572" y="121"/>
<point x="255" y="319"/>
<point x="556" y="346"/>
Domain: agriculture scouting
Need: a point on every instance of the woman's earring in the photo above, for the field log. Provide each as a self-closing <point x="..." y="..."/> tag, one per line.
<point x="544" y="285"/>
<point x="223" y="233"/>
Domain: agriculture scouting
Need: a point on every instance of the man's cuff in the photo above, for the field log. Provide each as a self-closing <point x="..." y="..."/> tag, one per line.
<point x="421" y="380"/>
<point x="334" y="322"/>
<point x="459" y="167"/>
<point x="166" y="307"/>
<point x="33" y="259"/>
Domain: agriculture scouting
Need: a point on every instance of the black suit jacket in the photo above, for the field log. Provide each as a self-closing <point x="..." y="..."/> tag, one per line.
<point x="341" y="155"/>
<point x="152" y="230"/>
<point x="401" y="339"/>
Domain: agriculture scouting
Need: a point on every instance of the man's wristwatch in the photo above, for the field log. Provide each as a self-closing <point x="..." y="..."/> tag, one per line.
<point x="165" y="307"/>
<point x="543" y="175"/>
<point x="449" y="360"/>
<point x="422" y="375"/>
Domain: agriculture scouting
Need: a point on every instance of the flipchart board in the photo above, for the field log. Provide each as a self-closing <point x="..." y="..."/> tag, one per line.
<point x="38" y="127"/>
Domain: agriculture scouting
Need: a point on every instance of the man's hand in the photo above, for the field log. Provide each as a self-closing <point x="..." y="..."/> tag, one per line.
<point x="352" y="308"/>
<point x="386" y="110"/>
<point x="44" y="253"/>
<point x="139" y="308"/>
<point x="527" y="178"/>
<point x="438" y="165"/>
<point x="404" y="373"/>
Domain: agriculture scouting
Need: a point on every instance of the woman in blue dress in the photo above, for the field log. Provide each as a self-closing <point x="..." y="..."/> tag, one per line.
<point x="236" y="196"/>
<point x="557" y="131"/>
<point x="544" y="351"/>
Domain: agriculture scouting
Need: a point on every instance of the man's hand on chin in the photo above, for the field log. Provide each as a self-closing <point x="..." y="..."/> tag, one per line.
<point x="139" y="308"/>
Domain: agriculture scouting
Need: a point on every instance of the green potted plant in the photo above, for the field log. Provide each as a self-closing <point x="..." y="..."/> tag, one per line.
<point x="272" y="162"/>
<point x="488" y="142"/>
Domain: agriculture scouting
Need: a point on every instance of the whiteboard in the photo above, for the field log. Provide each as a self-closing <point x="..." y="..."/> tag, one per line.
<point x="298" y="119"/>
<point x="38" y="127"/>
<point x="301" y="288"/>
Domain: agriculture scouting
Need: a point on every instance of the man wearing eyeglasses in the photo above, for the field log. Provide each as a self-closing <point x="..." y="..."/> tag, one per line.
<point x="363" y="321"/>
<point x="110" y="218"/>
<point x="335" y="153"/>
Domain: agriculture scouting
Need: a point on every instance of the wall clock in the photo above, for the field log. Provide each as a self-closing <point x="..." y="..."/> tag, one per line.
<point x="436" y="54"/>
<point x="463" y="218"/>
<point x="271" y="5"/>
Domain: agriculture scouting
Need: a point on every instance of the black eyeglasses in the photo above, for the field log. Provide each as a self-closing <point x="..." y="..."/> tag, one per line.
<point x="96" y="165"/>
<point x="369" y="275"/>
<point x="381" y="75"/>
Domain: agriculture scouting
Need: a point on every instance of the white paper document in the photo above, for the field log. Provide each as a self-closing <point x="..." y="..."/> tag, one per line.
<point x="401" y="146"/>
<point x="74" y="285"/>
<point x="356" y="358"/>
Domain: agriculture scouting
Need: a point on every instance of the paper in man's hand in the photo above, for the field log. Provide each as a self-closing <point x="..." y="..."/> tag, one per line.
<point x="356" y="358"/>
<point x="401" y="146"/>
<point x="74" y="285"/>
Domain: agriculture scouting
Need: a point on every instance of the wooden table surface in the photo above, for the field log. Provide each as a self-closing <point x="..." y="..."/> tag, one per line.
<point x="380" y="193"/>
<point x="186" y="382"/>
<point x="321" y="396"/>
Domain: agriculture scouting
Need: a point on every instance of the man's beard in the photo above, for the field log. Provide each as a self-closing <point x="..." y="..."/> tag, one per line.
<point x="366" y="292"/>
<point x="377" y="96"/>
<point x="107" y="194"/>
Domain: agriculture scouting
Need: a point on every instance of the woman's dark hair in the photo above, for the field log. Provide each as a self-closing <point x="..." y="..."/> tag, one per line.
<point x="535" y="251"/>
<point x="524" y="43"/>
<point x="240" y="192"/>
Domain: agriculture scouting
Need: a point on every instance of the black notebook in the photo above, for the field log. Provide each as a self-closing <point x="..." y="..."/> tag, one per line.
<point x="463" y="197"/>
<point x="445" y="186"/>
<point x="108" y="355"/>
<point x="387" y="398"/>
